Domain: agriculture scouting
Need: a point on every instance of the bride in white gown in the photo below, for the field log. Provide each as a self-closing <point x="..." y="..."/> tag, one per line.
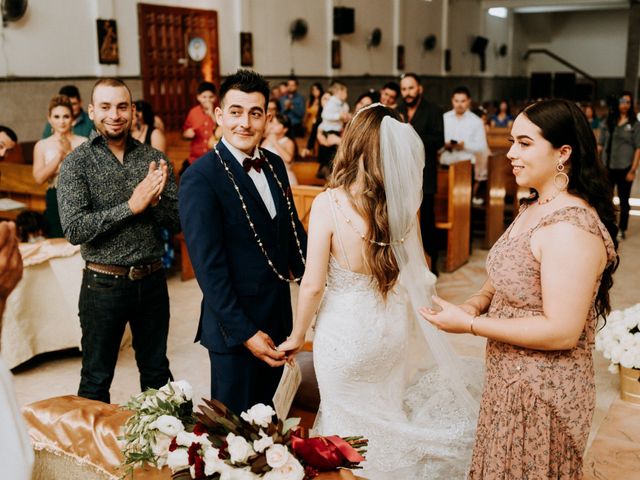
<point x="382" y="373"/>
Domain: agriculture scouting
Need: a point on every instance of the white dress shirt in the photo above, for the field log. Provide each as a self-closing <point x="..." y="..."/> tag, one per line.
<point x="259" y="179"/>
<point x="467" y="128"/>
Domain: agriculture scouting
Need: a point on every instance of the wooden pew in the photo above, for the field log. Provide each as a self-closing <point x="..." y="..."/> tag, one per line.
<point x="305" y="173"/>
<point x="177" y="150"/>
<point x="453" y="211"/>
<point x="17" y="183"/>
<point x="498" y="139"/>
<point x="499" y="169"/>
<point x="303" y="196"/>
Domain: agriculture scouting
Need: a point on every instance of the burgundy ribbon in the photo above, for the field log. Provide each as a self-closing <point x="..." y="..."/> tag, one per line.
<point x="325" y="453"/>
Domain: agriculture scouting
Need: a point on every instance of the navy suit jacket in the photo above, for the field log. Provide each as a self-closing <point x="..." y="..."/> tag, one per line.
<point x="241" y="292"/>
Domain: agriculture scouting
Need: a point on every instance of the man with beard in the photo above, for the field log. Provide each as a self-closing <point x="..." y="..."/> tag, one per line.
<point x="115" y="194"/>
<point x="426" y="119"/>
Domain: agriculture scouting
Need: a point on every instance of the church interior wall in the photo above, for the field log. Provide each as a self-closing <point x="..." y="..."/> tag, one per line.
<point x="56" y="43"/>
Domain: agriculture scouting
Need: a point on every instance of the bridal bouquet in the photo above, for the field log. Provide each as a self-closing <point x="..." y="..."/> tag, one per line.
<point x="215" y="443"/>
<point x="619" y="339"/>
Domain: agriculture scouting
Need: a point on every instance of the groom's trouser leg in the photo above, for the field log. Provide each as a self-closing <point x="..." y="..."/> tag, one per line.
<point x="240" y="380"/>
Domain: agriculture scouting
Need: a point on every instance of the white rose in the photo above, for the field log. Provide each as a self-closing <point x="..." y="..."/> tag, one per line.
<point x="260" y="414"/>
<point x="168" y="425"/>
<point x="178" y="459"/>
<point x="263" y="442"/>
<point x="239" y="449"/>
<point x="179" y="391"/>
<point x="213" y="463"/>
<point x="277" y="455"/>
<point x="292" y="470"/>
<point x="627" y="359"/>
<point x="184" y="388"/>
<point x="616" y="353"/>
<point x="160" y="445"/>
<point x="185" y="438"/>
<point x="238" y="474"/>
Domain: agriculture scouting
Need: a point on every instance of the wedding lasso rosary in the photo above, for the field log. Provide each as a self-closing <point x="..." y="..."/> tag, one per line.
<point x="252" y="226"/>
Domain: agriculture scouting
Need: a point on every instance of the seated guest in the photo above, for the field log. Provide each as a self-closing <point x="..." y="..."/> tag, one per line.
<point x="8" y="141"/>
<point x="590" y="113"/>
<point x="31" y="226"/>
<point x="278" y="141"/>
<point x="143" y="128"/>
<point x="389" y="94"/>
<point x="48" y="155"/>
<point x="200" y="124"/>
<point x="82" y="124"/>
<point x="365" y="99"/>
<point x="502" y="118"/>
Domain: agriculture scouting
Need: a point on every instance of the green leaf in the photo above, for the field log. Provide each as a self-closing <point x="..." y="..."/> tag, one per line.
<point x="290" y="423"/>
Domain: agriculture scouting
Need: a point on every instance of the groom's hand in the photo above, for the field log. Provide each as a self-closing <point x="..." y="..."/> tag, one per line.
<point x="262" y="347"/>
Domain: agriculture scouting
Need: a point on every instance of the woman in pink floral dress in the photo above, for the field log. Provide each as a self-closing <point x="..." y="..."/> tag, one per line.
<point x="549" y="280"/>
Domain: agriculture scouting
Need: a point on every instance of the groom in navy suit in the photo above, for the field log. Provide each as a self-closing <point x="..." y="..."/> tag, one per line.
<point x="245" y="242"/>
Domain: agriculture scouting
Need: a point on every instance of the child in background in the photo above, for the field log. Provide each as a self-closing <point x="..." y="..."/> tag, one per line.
<point x="200" y="125"/>
<point x="335" y="115"/>
<point x="30" y="226"/>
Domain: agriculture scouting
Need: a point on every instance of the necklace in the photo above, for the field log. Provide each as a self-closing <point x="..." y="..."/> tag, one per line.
<point x="251" y="224"/>
<point x="543" y="201"/>
<point x="362" y="236"/>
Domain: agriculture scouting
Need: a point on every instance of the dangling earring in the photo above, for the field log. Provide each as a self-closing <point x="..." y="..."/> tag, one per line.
<point x="561" y="179"/>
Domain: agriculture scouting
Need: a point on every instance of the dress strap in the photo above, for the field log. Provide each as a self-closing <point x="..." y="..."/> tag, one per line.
<point x="335" y="221"/>
<point x="585" y="219"/>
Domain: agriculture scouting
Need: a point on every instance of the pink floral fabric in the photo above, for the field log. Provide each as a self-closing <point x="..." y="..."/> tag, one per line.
<point x="537" y="406"/>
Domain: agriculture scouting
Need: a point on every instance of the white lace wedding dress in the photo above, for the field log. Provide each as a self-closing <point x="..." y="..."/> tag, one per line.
<point x="364" y="355"/>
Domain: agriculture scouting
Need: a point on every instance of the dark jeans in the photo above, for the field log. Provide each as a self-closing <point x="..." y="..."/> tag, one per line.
<point x="107" y="303"/>
<point x="240" y="380"/>
<point x="428" y="229"/>
<point x="618" y="179"/>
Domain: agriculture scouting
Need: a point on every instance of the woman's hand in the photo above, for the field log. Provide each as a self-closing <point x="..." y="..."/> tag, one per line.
<point x="631" y="175"/>
<point x="291" y="346"/>
<point x="451" y="318"/>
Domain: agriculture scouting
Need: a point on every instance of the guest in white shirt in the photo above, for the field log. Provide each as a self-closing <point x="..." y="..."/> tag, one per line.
<point x="465" y="137"/>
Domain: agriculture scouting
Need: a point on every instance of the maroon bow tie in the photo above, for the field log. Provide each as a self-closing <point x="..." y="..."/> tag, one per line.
<point x="249" y="163"/>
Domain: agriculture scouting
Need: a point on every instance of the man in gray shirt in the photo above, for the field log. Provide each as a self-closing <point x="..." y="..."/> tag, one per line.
<point x="115" y="194"/>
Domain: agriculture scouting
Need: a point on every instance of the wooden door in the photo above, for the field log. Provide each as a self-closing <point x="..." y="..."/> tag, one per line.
<point x="170" y="77"/>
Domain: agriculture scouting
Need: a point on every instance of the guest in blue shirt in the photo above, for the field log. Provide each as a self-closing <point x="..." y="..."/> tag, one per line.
<point x="292" y="106"/>
<point x="503" y="118"/>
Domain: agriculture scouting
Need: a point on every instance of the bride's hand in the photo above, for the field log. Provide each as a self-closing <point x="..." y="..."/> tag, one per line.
<point x="451" y="318"/>
<point x="291" y="346"/>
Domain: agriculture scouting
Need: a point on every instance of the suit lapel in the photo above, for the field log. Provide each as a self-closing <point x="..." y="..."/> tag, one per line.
<point x="243" y="180"/>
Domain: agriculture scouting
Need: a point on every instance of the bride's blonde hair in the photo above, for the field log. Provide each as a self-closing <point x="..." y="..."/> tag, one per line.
<point x="358" y="163"/>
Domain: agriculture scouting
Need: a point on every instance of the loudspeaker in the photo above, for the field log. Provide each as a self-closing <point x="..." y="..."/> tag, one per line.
<point x="564" y="85"/>
<point x="540" y="85"/>
<point x="343" y="20"/>
<point x="479" y="45"/>
<point x="447" y="60"/>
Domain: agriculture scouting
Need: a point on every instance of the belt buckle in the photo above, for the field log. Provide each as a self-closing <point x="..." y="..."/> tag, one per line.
<point x="135" y="273"/>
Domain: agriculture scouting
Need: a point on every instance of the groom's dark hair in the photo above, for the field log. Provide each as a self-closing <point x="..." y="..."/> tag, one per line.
<point x="246" y="81"/>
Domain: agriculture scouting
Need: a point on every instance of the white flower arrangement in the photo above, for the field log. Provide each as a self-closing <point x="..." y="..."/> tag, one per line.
<point x="217" y="444"/>
<point x="619" y="339"/>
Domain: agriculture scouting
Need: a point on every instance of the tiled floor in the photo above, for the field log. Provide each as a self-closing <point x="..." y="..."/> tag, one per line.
<point x="614" y="448"/>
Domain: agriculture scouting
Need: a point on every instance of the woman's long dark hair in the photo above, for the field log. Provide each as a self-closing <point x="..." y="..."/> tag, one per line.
<point x="563" y="123"/>
<point x="614" y="117"/>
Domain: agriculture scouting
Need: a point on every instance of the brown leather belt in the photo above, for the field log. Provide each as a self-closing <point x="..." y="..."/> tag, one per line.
<point x="135" y="272"/>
